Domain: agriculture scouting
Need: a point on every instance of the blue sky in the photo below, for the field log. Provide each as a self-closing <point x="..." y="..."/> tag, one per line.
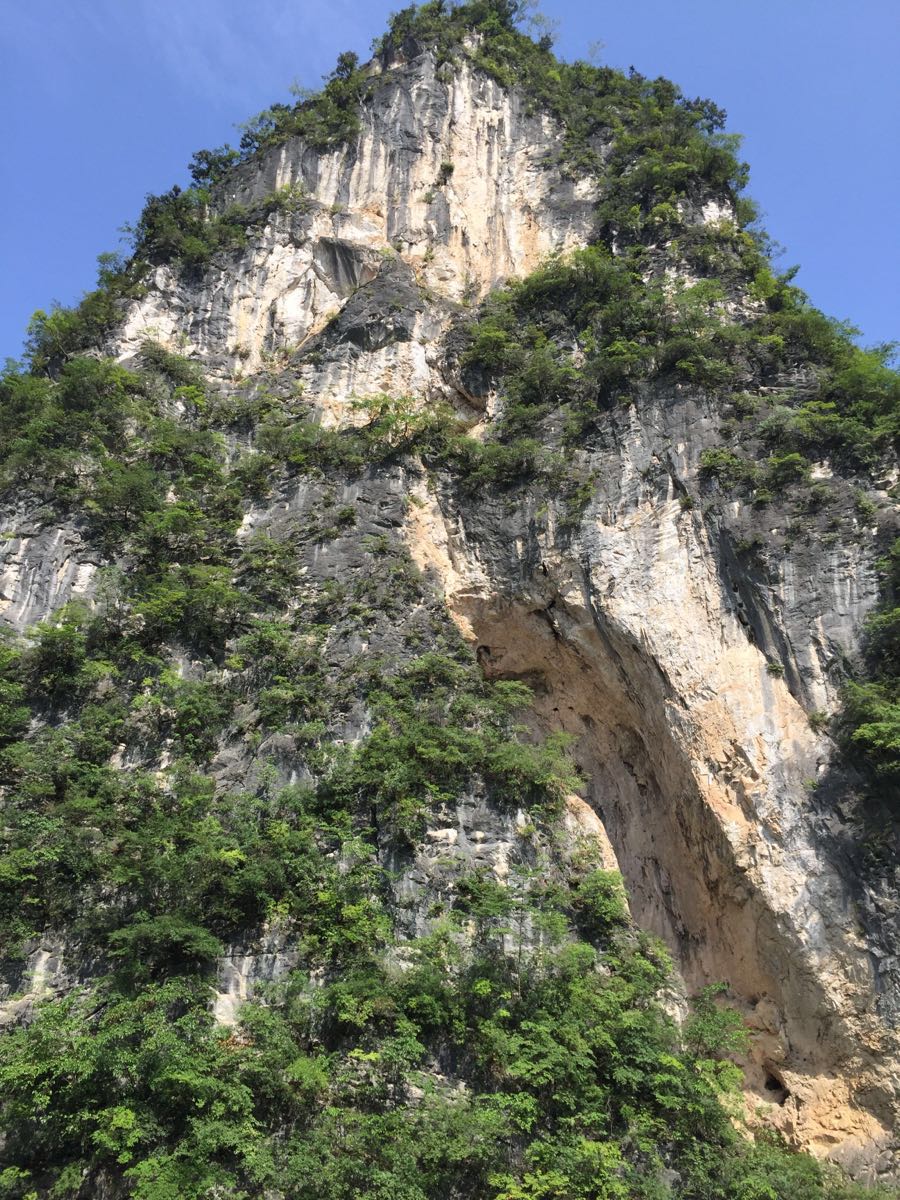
<point x="106" y="100"/>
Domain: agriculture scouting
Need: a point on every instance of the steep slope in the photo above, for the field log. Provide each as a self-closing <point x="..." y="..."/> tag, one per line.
<point x="275" y="489"/>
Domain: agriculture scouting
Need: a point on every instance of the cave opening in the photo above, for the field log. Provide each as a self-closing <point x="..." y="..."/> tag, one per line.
<point x="776" y="1089"/>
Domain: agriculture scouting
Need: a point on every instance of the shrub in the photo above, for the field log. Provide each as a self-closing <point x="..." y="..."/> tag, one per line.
<point x="198" y="604"/>
<point x="53" y="668"/>
<point x="727" y="468"/>
<point x="323" y="120"/>
<point x="600" y="904"/>
<point x="151" y="946"/>
<point x="783" y="470"/>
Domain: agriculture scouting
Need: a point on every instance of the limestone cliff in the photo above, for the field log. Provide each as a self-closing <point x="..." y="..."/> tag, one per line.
<point x="685" y="668"/>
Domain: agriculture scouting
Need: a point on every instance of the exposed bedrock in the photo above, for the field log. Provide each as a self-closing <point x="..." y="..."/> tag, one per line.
<point x="698" y="761"/>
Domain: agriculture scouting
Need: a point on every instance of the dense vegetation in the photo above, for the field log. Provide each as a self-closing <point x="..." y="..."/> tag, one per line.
<point x="570" y="1081"/>
<point x="519" y="1050"/>
<point x="155" y="488"/>
<point x="154" y="871"/>
<point x="582" y="333"/>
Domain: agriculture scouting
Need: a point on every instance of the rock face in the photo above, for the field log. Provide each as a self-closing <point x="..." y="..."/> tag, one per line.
<point x="685" y="673"/>
<point x="451" y="175"/>
<point x="699" y="762"/>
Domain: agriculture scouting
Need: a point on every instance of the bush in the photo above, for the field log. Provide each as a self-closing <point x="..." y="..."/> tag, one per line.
<point x="600" y="905"/>
<point x="323" y="120"/>
<point x="165" y="945"/>
<point x="53" y="668"/>
<point x="57" y="336"/>
<point x="783" y="470"/>
<point x="179" y="227"/>
<point x="727" y="468"/>
<point x="426" y="748"/>
<point x="199" y="605"/>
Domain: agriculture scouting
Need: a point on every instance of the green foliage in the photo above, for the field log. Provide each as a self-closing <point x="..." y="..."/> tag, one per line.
<point x="713" y="1031"/>
<point x="48" y="429"/>
<point x="784" y="469"/>
<point x="179" y="226"/>
<point x="177" y="370"/>
<point x="54" y="667"/>
<point x="869" y="723"/>
<point x="96" y="437"/>
<point x="156" y="870"/>
<point x="198" y="605"/>
<point x="727" y="468"/>
<point x="577" y="1085"/>
<point x="143" y="1085"/>
<point x="581" y="333"/>
<point x="396" y="427"/>
<point x="209" y="167"/>
<point x="162" y="945"/>
<point x="14" y="712"/>
<point x="600" y="904"/>
<point x="439" y="727"/>
<point x="855" y="415"/>
<point x="55" y="337"/>
<point x="323" y="119"/>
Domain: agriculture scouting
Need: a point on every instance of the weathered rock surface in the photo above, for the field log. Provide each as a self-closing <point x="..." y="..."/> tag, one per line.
<point x="499" y="211"/>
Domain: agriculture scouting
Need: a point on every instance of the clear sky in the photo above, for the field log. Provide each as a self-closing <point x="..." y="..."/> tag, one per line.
<point x="106" y="100"/>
